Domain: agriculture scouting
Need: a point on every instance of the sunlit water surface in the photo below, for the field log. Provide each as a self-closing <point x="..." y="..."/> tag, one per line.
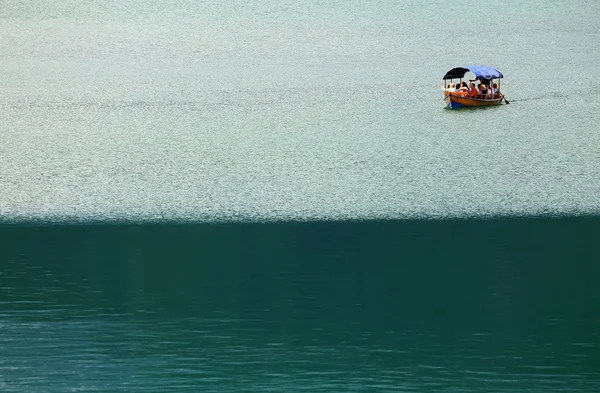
<point x="144" y="110"/>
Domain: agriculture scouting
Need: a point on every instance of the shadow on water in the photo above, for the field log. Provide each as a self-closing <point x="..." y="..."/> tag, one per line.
<point x="461" y="272"/>
<point x="426" y="305"/>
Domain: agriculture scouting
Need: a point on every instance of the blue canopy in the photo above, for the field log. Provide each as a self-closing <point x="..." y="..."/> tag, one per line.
<point x="480" y="71"/>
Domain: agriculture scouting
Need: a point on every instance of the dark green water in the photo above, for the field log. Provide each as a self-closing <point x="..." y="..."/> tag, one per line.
<point x="426" y="306"/>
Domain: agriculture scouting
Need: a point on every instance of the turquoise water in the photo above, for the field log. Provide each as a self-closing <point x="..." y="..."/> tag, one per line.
<point x="196" y="112"/>
<point x="238" y="196"/>
<point x="404" y="306"/>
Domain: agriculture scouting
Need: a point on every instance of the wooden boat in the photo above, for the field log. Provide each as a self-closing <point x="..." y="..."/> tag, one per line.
<point x="484" y="74"/>
<point x="453" y="101"/>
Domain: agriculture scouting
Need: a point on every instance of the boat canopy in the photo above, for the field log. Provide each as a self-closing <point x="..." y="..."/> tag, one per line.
<point x="481" y="72"/>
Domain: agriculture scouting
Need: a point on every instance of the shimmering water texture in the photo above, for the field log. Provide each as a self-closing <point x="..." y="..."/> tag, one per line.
<point x="406" y="306"/>
<point x="195" y="111"/>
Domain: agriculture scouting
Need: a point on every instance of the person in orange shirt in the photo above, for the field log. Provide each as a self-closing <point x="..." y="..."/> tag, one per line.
<point x="473" y="90"/>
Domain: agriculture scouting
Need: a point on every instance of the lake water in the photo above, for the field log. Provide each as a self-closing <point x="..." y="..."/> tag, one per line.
<point x="270" y="196"/>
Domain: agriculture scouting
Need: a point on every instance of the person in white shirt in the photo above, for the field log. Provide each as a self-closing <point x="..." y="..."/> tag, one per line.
<point x="450" y="89"/>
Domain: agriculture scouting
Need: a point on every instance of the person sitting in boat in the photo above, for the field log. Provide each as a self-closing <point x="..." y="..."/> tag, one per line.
<point x="463" y="90"/>
<point x="483" y="91"/>
<point x="495" y="91"/>
<point x="451" y="88"/>
<point x="473" y="90"/>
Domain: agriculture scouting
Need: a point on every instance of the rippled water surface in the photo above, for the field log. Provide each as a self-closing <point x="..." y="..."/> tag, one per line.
<point x="145" y="110"/>
<point x="306" y="148"/>
<point x="406" y="306"/>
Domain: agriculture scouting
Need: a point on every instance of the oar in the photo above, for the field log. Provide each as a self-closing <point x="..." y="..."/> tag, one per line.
<point x="505" y="100"/>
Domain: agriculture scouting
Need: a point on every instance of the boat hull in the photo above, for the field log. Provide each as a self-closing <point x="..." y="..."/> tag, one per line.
<point x="456" y="101"/>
